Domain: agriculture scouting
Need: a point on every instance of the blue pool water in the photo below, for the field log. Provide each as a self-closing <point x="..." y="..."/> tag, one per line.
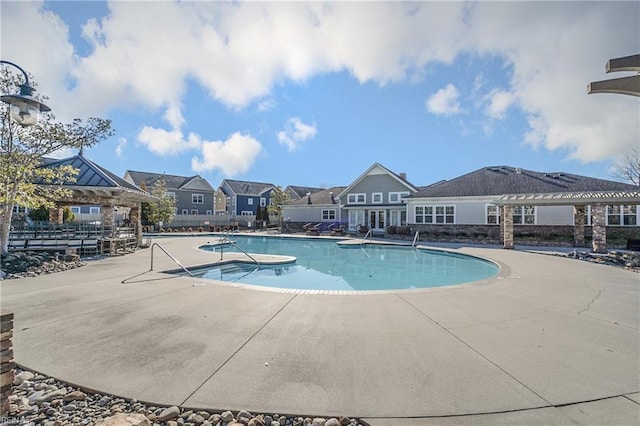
<point x="324" y="265"/>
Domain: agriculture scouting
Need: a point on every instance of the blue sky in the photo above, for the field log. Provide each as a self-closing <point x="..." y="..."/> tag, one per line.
<point x="314" y="93"/>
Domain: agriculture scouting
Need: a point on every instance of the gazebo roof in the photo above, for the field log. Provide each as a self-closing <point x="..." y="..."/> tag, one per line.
<point x="96" y="185"/>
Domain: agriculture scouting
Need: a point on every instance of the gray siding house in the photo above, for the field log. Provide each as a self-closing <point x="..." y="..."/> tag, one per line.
<point x="376" y="199"/>
<point x="315" y="207"/>
<point x="193" y="194"/>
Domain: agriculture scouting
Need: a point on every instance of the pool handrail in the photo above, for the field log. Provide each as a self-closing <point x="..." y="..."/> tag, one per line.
<point x="224" y="240"/>
<point x="184" y="268"/>
<point x="415" y="239"/>
<point x="368" y="234"/>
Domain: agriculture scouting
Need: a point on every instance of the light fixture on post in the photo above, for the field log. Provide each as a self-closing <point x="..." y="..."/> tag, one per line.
<point x="24" y="108"/>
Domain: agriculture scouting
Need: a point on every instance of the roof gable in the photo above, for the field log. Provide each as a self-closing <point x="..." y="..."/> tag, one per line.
<point x="174" y="182"/>
<point x="378" y="169"/>
<point x="324" y="197"/>
<point x="499" y="180"/>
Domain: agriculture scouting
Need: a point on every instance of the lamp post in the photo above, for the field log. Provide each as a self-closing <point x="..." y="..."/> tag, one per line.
<point x="24" y="108"/>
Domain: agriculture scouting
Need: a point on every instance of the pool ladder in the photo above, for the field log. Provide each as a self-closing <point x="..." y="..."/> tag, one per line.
<point x="415" y="239"/>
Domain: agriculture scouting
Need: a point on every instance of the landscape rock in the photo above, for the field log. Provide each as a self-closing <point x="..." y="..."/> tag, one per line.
<point x="125" y="420"/>
<point x="169" y="414"/>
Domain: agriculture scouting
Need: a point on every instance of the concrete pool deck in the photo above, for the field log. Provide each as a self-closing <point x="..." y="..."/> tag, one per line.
<point x="550" y="340"/>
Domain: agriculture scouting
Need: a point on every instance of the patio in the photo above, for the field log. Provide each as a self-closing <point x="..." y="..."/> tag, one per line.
<point x="550" y="340"/>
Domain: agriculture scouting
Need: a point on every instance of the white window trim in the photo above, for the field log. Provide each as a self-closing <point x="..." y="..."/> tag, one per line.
<point x="486" y="214"/>
<point x="400" y="196"/>
<point x="185" y="211"/>
<point x="353" y="198"/>
<point x="170" y="194"/>
<point x="94" y="210"/>
<point x="195" y="201"/>
<point x="433" y="214"/>
<point x="249" y="201"/>
<point x="75" y="209"/>
<point x="535" y="215"/>
<point x="195" y="212"/>
<point x="209" y="212"/>
<point x="326" y="214"/>
<point x="263" y="201"/>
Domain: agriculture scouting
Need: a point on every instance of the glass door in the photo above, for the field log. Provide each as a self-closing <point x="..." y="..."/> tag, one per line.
<point x="377" y="220"/>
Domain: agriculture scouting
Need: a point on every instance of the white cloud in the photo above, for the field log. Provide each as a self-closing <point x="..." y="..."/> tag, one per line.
<point x="444" y="101"/>
<point x="122" y="143"/>
<point x="553" y="49"/>
<point x="499" y="102"/>
<point x="232" y="157"/>
<point x="296" y="132"/>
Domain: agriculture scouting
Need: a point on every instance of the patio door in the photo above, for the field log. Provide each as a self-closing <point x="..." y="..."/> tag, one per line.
<point x="356" y="218"/>
<point x="377" y="220"/>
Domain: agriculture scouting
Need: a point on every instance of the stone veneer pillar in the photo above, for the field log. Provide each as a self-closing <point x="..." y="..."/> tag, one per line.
<point x="507" y="226"/>
<point x="599" y="228"/>
<point x="134" y="218"/>
<point x="7" y="365"/>
<point x="56" y="215"/>
<point x="107" y="219"/>
<point x="578" y="225"/>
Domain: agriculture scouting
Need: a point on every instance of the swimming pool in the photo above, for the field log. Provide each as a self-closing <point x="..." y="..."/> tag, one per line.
<point x="324" y="264"/>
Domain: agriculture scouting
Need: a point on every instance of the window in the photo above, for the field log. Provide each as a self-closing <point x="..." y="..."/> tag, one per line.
<point x="444" y="214"/>
<point x="493" y="215"/>
<point x="328" y="214"/>
<point x="194" y="212"/>
<point x="613" y="215"/>
<point x="75" y="210"/>
<point x="209" y="212"/>
<point x="424" y="214"/>
<point x="524" y="215"/>
<point x="356" y="198"/>
<point x="19" y="209"/>
<point x="185" y="211"/>
<point x="435" y="214"/>
<point x="246" y="213"/>
<point x="376" y="197"/>
<point x="94" y="210"/>
<point x="250" y="201"/>
<point x="197" y="199"/>
<point x="629" y="215"/>
<point x="626" y="215"/>
<point x="171" y="195"/>
<point x="396" y="197"/>
<point x="263" y="201"/>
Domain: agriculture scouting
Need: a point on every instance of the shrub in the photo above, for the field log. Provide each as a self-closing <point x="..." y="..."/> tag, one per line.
<point x="391" y="229"/>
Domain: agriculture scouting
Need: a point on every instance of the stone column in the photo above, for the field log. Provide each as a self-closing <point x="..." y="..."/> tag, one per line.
<point x="599" y="228"/>
<point x="107" y="219"/>
<point x="56" y="215"/>
<point x="134" y="218"/>
<point x="7" y="366"/>
<point x="580" y="213"/>
<point x="507" y="226"/>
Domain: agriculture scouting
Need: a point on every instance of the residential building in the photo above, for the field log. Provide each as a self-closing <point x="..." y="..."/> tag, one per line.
<point x="376" y="199"/>
<point x="243" y="198"/>
<point x="193" y="194"/>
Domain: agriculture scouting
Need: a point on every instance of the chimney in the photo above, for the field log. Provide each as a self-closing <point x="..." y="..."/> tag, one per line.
<point x="333" y="200"/>
<point x="308" y="198"/>
<point x="403" y="176"/>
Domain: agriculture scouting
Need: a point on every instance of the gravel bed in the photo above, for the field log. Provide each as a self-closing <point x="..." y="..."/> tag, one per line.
<point x="42" y="400"/>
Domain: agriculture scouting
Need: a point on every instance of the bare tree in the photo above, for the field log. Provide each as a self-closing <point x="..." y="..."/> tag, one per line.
<point x="628" y="169"/>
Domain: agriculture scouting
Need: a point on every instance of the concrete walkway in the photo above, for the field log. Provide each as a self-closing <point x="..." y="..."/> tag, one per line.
<point x="550" y="340"/>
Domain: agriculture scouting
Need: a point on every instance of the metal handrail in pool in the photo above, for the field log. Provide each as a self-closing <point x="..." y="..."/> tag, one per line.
<point x="368" y="234"/>
<point x="224" y="240"/>
<point x="172" y="258"/>
<point x="415" y="239"/>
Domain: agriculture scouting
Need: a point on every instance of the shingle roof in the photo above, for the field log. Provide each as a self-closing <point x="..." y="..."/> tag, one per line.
<point x="171" y="181"/>
<point x="501" y="180"/>
<point x="301" y="191"/>
<point x="243" y="187"/>
<point x="322" y="197"/>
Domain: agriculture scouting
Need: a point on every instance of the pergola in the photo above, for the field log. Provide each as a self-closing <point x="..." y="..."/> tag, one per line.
<point x="95" y="185"/>
<point x="598" y="200"/>
<point x="624" y="85"/>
